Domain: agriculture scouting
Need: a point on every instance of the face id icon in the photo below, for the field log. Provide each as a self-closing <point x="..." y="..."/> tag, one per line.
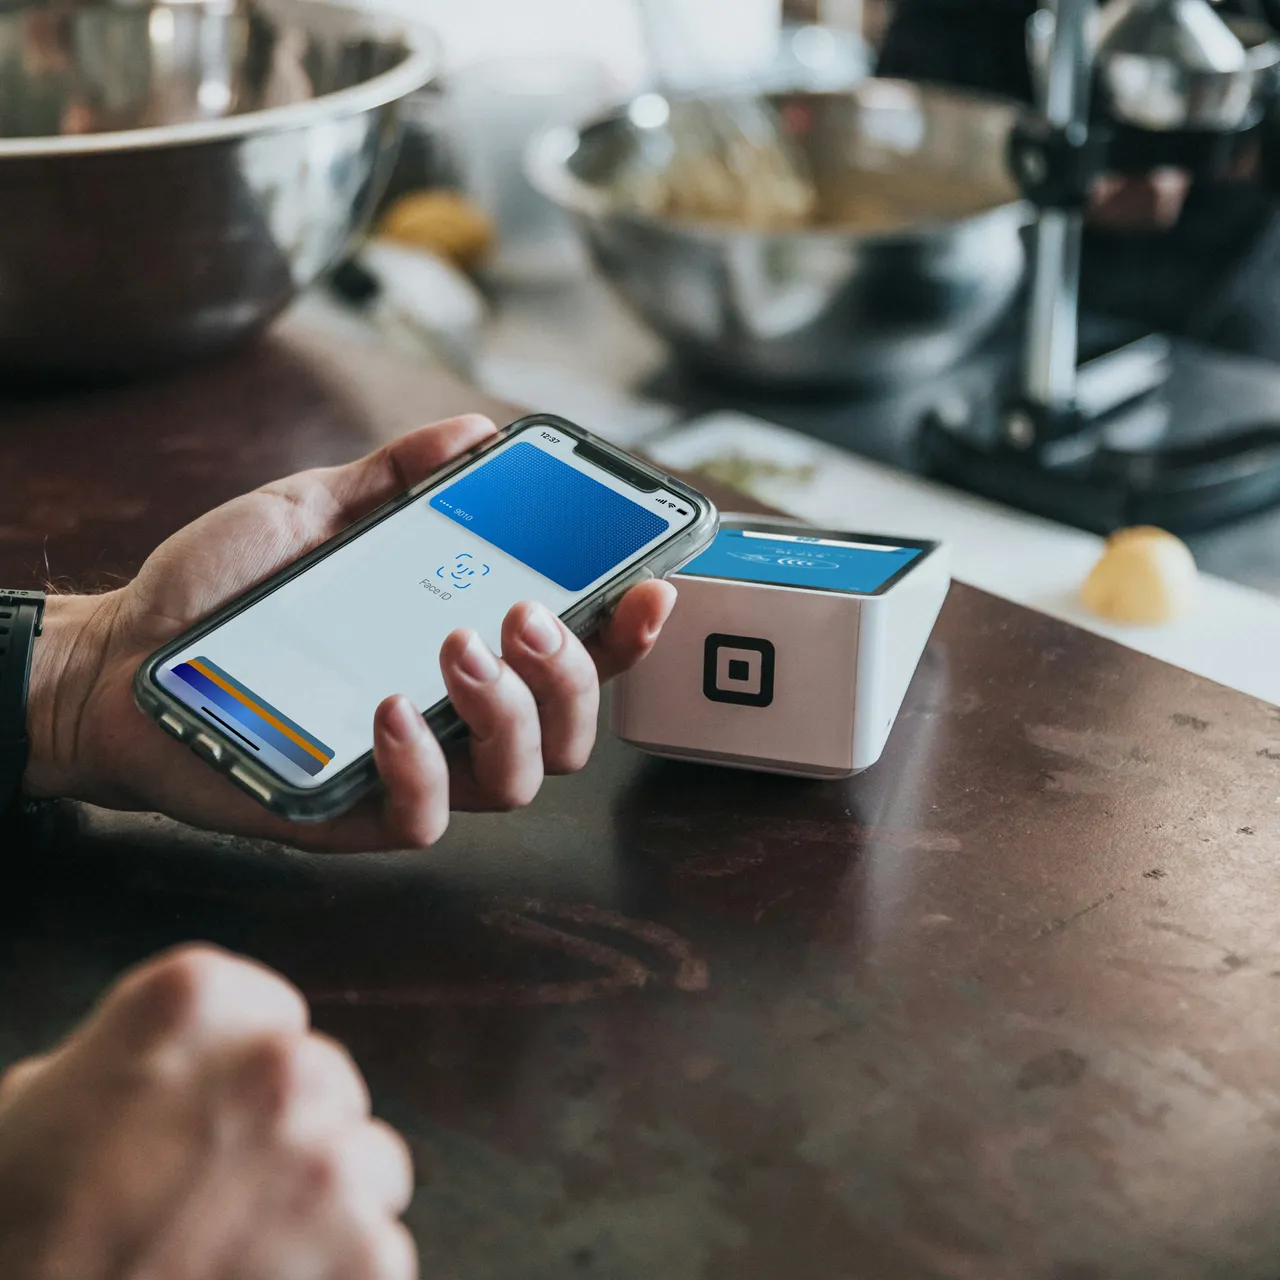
<point x="738" y="669"/>
<point x="463" y="571"/>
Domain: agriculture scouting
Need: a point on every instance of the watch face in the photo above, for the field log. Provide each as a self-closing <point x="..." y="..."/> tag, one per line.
<point x="820" y="562"/>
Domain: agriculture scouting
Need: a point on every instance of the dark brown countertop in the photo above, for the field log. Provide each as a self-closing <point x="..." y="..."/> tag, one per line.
<point x="1006" y="1006"/>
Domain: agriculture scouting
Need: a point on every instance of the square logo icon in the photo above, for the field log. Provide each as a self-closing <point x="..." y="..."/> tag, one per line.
<point x="738" y="669"/>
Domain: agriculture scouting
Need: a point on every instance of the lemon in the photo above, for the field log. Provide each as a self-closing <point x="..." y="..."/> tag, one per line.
<point x="445" y="222"/>
<point x="1145" y="576"/>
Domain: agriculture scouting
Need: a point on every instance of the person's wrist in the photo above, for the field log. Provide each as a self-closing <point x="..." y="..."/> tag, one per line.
<point x="67" y="659"/>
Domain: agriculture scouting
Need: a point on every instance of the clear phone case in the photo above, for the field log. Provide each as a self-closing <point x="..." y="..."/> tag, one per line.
<point x="342" y="791"/>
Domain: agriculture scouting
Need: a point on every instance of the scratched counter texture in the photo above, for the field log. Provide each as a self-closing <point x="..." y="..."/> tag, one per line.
<point x="1005" y="1007"/>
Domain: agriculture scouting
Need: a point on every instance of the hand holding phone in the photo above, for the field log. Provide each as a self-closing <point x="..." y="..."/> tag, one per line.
<point x="278" y="688"/>
<point x="89" y="741"/>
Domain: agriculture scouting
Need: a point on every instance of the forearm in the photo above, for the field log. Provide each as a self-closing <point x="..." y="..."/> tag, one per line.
<point x="66" y="660"/>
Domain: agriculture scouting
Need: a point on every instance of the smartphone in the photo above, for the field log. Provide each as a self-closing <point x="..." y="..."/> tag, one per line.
<point x="279" y="687"/>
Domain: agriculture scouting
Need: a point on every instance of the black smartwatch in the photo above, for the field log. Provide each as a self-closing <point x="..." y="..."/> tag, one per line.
<point x="21" y="616"/>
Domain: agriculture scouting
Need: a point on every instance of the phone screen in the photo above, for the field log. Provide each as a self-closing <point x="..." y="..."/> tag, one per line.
<point x="790" y="560"/>
<point x="295" y="678"/>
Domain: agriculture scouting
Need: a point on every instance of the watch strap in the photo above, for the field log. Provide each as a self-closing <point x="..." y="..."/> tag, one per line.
<point x="21" y="617"/>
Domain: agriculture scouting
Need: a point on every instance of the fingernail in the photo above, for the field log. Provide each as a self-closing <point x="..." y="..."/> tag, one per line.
<point x="671" y="598"/>
<point x="476" y="661"/>
<point x="541" y="633"/>
<point x="402" y="720"/>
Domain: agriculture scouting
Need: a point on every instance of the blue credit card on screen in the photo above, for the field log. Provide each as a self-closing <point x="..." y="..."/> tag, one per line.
<point x="550" y="516"/>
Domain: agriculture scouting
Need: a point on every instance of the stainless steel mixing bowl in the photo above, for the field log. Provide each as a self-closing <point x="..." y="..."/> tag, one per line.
<point x="831" y="304"/>
<point x="172" y="174"/>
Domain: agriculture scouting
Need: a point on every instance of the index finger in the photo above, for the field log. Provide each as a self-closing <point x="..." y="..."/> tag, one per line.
<point x="196" y="996"/>
<point x="633" y="629"/>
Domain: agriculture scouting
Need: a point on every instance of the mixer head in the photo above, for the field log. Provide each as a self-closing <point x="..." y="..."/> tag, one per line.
<point x="1176" y="64"/>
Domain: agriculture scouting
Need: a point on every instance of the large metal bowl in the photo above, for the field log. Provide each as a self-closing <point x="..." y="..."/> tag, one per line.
<point x="171" y="175"/>
<point x="828" y="305"/>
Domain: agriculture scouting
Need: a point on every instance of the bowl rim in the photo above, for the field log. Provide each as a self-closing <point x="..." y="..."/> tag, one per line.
<point x="421" y="64"/>
<point x="547" y="155"/>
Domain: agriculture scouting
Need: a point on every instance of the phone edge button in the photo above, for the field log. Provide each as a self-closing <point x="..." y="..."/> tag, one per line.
<point x="207" y="749"/>
<point x="172" y="726"/>
<point x="247" y="782"/>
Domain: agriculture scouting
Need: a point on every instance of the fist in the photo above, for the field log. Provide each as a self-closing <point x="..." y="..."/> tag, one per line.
<point x="196" y="1129"/>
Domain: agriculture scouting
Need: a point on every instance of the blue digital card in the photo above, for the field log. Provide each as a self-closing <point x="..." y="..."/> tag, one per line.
<point x="550" y="516"/>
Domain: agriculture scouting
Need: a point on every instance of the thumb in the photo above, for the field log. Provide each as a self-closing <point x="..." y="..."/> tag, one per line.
<point x="364" y="485"/>
<point x="20" y="1076"/>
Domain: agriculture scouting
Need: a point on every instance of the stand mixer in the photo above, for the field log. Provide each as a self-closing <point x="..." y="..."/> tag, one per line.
<point x="1135" y="86"/>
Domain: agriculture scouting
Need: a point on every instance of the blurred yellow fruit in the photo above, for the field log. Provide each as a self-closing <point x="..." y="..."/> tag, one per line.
<point x="1145" y="576"/>
<point x="445" y="222"/>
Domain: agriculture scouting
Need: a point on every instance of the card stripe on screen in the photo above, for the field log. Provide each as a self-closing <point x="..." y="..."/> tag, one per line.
<point x="260" y="717"/>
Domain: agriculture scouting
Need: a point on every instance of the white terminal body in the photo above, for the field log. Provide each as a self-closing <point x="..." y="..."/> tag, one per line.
<point x="762" y="668"/>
